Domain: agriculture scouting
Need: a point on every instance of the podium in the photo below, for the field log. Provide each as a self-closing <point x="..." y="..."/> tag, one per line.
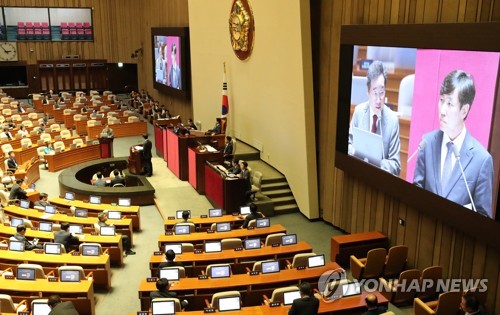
<point x="106" y="147"/>
<point x="135" y="161"/>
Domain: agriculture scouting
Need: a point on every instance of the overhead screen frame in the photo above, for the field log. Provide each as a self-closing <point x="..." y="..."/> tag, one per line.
<point x="472" y="37"/>
<point x="185" y="61"/>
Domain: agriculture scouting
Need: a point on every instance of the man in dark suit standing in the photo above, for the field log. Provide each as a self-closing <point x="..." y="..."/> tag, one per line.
<point x="11" y="162"/>
<point x="65" y="238"/>
<point x="61" y="308"/>
<point x="147" y="156"/>
<point x="307" y="304"/>
<point x="227" y="152"/>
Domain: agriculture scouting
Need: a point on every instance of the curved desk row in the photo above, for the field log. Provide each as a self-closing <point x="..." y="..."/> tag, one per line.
<point x="199" y="238"/>
<point x="132" y="212"/>
<point x="123" y="226"/>
<point x="112" y="243"/>
<point x="76" y="178"/>
<point x="70" y="157"/>
<point x="251" y="287"/>
<point x="80" y="293"/>
<point x="346" y="305"/>
<point x="98" y="265"/>
<point x="195" y="263"/>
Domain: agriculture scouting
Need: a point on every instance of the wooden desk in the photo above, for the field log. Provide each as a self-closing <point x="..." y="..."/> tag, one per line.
<point x="195" y="263"/>
<point x="358" y="244"/>
<point x="120" y="130"/>
<point x="24" y="155"/>
<point x="196" y="162"/>
<point x="204" y="224"/>
<point x="227" y="194"/>
<point x="132" y="212"/>
<point x="200" y="237"/>
<point x="28" y="171"/>
<point x="81" y="125"/>
<point x="250" y="287"/>
<point x="177" y="151"/>
<point x="98" y="265"/>
<point x="113" y="243"/>
<point x="123" y="226"/>
<point x="70" y="157"/>
<point x="347" y="305"/>
<point x="80" y="293"/>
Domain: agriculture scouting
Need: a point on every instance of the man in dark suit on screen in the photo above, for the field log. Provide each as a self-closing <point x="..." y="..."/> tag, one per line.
<point x="438" y="164"/>
<point x="307" y="304"/>
<point x="147" y="156"/>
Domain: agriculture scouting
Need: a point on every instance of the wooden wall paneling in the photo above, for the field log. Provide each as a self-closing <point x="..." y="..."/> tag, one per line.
<point x="479" y="257"/>
<point x="427" y="235"/>
<point x="324" y="91"/>
<point x="492" y="272"/>
<point x="345" y="200"/>
<point x="159" y="13"/>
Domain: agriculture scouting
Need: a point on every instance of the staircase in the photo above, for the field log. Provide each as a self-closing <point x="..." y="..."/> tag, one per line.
<point x="280" y="193"/>
<point x="274" y="187"/>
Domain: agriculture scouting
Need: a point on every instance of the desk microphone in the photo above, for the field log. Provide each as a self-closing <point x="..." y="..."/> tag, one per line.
<point x="457" y="156"/>
<point x="420" y="147"/>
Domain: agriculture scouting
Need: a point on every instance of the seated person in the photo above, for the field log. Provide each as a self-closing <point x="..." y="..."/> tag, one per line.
<point x="217" y="129"/>
<point x="20" y="109"/>
<point x="6" y="133"/>
<point x="191" y="125"/>
<point x="84" y="109"/>
<point x="118" y="178"/>
<point x="170" y="256"/>
<point x="41" y="129"/>
<point x="61" y="308"/>
<point x="107" y="131"/>
<point x="11" y="162"/>
<point x="44" y="200"/>
<point x="65" y="238"/>
<point x="307" y="304"/>
<point x="28" y="245"/>
<point x="23" y="132"/>
<point x="471" y="305"/>
<point x="102" y="218"/>
<point x="48" y="148"/>
<point x="235" y="167"/>
<point x="163" y="292"/>
<point x="45" y="99"/>
<point x="185" y="217"/>
<point x="252" y="216"/>
<point x="100" y="180"/>
<point x="17" y="192"/>
<point x="372" y="306"/>
<point x="227" y="152"/>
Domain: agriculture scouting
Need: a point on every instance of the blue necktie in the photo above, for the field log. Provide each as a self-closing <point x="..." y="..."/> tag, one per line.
<point x="445" y="177"/>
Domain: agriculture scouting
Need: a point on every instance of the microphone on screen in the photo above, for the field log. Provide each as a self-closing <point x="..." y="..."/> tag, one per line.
<point x="457" y="156"/>
<point x="420" y="147"/>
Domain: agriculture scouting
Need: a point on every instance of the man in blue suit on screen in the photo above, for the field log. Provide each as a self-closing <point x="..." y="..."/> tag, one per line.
<point x="451" y="147"/>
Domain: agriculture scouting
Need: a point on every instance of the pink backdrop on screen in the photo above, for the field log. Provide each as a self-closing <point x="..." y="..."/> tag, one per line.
<point x="431" y="68"/>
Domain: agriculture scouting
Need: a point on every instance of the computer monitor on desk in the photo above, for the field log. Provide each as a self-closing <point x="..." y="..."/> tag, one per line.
<point x="171" y="274"/>
<point x="290" y="296"/>
<point x="232" y="303"/>
<point x="25" y="204"/>
<point x="69" y="196"/>
<point x="163" y="307"/>
<point x="214" y="213"/>
<point x="177" y="248"/>
<point x="40" y="308"/>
